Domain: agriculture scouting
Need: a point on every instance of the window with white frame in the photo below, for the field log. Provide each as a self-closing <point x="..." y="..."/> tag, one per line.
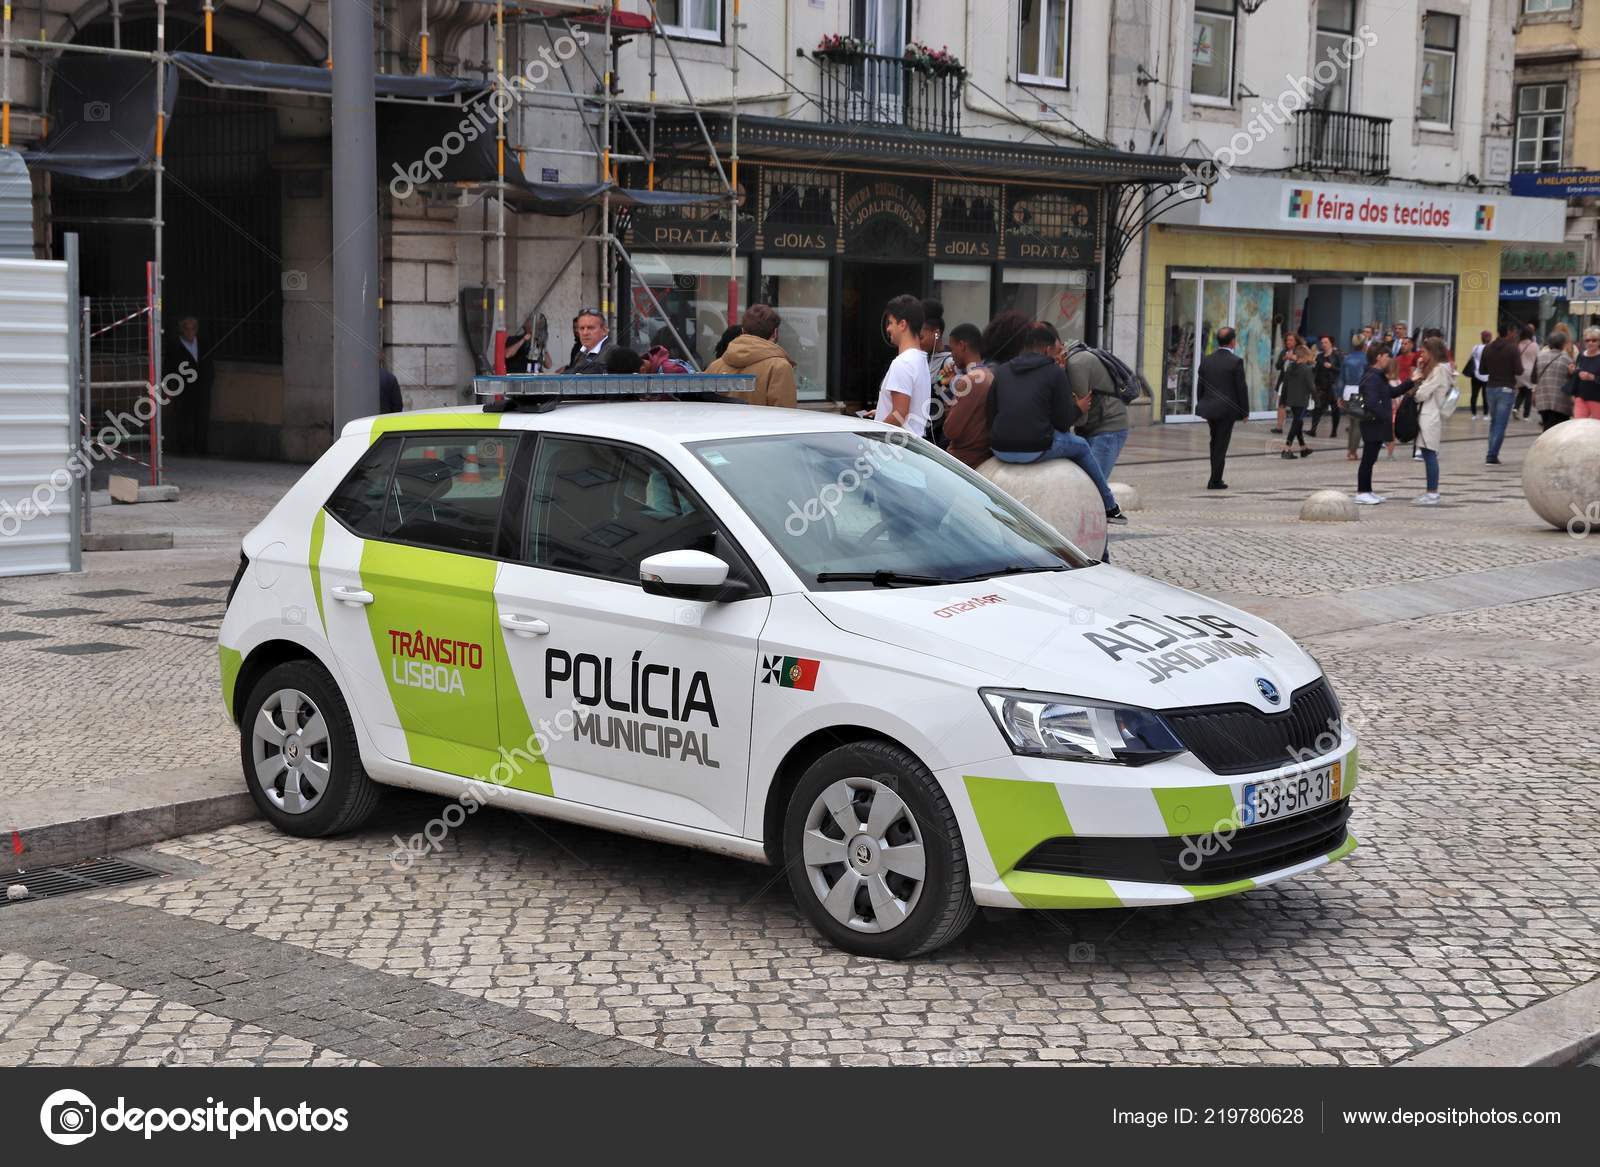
<point x="700" y="19"/>
<point x="882" y="24"/>
<point x="1536" y="7"/>
<point x="1336" y="28"/>
<point x="1541" y="126"/>
<point x="1043" y="30"/>
<point x="1211" y="51"/>
<point x="1436" y="97"/>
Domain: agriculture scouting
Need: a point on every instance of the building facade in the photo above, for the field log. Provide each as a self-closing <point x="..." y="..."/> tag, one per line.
<point x="1557" y="111"/>
<point x="1358" y="155"/>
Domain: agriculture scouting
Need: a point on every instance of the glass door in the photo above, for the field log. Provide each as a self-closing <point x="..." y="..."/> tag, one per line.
<point x="1258" y="307"/>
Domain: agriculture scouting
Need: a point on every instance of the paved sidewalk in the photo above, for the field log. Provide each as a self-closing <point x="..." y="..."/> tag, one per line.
<point x="1461" y="640"/>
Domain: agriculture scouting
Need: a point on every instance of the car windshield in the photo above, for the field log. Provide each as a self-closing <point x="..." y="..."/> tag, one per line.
<point x="861" y="510"/>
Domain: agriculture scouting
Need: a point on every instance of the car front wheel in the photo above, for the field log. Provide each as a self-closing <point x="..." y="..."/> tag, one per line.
<point x="873" y="853"/>
<point x="298" y="748"/>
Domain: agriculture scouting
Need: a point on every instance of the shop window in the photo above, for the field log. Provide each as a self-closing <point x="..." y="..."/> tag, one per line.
<point x="700" y="19"/>
<point x="1058" y="296"/>
<point x="1437" y="96"/>
<point x="963" y="289"/>
<point x="1043" y="29"/>
<point x="693" y="291"/>
<point x="1541" y="126"/>
<point x="1211" y="55"/>
<point x="1336" y="28"/>
<point x="798" y="289"/>
<point x="1257" y="307"/>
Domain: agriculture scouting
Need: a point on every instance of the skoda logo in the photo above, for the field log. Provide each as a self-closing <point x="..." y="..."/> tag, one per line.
<point x="1268" y="690"/>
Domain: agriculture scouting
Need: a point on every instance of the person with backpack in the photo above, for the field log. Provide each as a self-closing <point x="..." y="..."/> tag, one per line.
<point x="1436" y="380"/>
<point x="1105" y="425"/>
<point x="1031" y="413"/>
<point x="1377" y="417"/>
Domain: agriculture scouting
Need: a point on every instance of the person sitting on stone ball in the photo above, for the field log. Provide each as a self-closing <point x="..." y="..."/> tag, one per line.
<point x="1032" y="411"/>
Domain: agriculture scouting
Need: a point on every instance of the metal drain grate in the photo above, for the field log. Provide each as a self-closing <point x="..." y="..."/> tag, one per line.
<point x="88" y="875"/>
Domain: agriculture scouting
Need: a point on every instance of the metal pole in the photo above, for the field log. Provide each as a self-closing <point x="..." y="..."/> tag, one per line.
<point x="156" y="467"/>
<point x="355" y="220"/>
<point x="500" y="143"/>
<point x="5" y="84"/>
<point x="86" y="403"/>
<point x="210" y="12"/>
<point x="650" y="180"/>
<point x="424" y="67"/>
<point x="610" y="50"/>
<point x="733" y="182"/>
<point x="77" y="340"/>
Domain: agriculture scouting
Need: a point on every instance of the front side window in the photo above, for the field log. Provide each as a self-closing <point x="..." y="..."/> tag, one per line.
<point x="600" y="509"/>
<point x="701" y="19"/>
<point x="1436" y="101"/>
<point x="852" y="510"/>
<point x="1211" y="51"/>
<point x="1541" y="126"/>
<point x="1043" y="27"/>
<point x="446" y="492"/>
<point x="1336" y="28"/>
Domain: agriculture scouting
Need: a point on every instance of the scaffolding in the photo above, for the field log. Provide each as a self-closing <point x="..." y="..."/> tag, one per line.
<point x="615" y="116"/>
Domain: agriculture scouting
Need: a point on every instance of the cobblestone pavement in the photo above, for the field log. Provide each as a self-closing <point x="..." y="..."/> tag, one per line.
<point x="1473" y="894"/>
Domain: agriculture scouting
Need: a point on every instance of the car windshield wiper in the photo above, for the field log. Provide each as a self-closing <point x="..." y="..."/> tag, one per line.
<point x="880" y="579"/>
<point x="1014" y="569"/>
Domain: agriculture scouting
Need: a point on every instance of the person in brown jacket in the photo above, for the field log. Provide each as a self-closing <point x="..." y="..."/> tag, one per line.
<point x="755" y="353"/>
<point x="966" y="426"/>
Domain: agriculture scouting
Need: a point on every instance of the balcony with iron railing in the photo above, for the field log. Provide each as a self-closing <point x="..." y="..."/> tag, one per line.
<point x="876" y="90"/>
<point x="1330" y="139"/>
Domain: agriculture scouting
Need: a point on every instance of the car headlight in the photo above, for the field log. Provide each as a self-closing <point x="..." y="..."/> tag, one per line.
<point x="1047" y="726"/>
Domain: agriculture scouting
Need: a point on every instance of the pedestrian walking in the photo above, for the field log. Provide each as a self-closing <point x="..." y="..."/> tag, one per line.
<point x="907" y="389"/>
<point x="1351" y="370"/>
<point x="1224" y="399"/>
<point x="756" y="352"/>
<point x="1528" y="350"/>
<point x="1586" y="377"/>
<point x="1377" y="421"/>
<point x="1032" y="411"/>
<point x="1299" y="386"/>
<point x="1501" y="363"/>
<point x="1436" y="380"/>
<point x="1291" y="341"/>
<point x="1552" y="381"/>
<point x="1476" y="377"/>
<point x="1326" y="368"/>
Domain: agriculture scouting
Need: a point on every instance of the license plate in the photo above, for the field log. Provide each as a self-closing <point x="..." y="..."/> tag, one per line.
<point x="1264" y="801"/>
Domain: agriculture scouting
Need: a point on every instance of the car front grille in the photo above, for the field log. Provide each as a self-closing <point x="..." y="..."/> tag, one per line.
<point x="1240" y="739"/>
<point x="1197" y="859"/>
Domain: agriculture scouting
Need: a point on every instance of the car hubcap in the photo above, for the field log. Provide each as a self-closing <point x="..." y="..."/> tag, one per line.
<point x="290" y="746"/>
<point x="863" y="855"/>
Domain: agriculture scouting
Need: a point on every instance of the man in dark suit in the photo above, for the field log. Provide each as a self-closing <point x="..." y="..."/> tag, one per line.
<point x="1224" y="399"/>
<point x="187" y="423"/>
<point x="591" y="344"/>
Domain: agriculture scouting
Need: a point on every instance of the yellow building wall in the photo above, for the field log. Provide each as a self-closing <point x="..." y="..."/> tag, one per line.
<point x="1474" y="266"/>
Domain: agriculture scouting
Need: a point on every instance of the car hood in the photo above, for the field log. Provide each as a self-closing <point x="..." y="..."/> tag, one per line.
<point x="1095" y="632"/>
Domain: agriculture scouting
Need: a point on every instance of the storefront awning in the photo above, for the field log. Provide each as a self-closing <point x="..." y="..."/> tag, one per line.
<point x="102" y="117"/>
<point x="232" y="73"/>
<point x="942" y="155"/>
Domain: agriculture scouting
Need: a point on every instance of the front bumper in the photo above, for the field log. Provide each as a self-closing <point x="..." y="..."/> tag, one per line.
<point x="1048" y="834"/>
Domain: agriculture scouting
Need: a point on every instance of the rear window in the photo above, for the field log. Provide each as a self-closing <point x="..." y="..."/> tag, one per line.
<point x="441" y="491"/>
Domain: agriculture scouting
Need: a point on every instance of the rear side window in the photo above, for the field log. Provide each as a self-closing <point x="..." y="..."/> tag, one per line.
<point x="358" y="503"/>
<point x="446" y="491"/>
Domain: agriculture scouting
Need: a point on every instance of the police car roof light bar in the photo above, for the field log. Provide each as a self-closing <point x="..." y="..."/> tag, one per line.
<point x="543" y="391"/>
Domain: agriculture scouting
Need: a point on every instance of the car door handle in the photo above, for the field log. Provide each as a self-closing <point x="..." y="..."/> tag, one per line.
<point x="352" y="595"/>
<point x="524" y="625"/>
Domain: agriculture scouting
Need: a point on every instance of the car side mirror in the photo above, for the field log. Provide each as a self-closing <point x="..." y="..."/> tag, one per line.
<point x="685" y="575"/>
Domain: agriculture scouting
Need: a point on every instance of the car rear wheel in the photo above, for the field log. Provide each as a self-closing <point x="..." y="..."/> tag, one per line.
<point x="298" y="748"/>
<point x="873" y="853"/>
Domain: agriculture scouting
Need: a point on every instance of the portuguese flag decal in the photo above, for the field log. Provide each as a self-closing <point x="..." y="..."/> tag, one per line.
<point x="791" y="672"/>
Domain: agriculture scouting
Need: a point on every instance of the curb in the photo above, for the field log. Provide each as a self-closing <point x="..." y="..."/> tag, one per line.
<point x="62" y="826"/>
<point x="1558" y="1031"/>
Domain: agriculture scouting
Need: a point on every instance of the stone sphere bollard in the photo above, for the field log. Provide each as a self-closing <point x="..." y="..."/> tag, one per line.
<point x="1127" y="496"/>
<point x="1329" y="506"/>
<point x="1060" y="494"/>
<point x="1561" y="475"/>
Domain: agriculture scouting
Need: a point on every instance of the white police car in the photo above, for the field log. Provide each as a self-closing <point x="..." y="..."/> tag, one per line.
<point x="796" y="638"/>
